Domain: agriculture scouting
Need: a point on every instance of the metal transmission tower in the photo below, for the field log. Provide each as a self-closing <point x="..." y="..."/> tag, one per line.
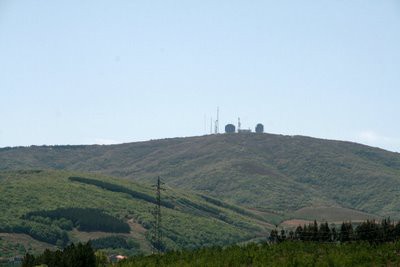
<point x="156" y="238"/>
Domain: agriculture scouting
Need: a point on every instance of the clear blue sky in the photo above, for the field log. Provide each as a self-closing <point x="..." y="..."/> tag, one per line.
<point x="84" y="72"/>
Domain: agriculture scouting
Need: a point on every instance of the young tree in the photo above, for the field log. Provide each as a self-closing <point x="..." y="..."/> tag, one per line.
<point x="324" y="233"/>
<point x="273" y="236"/>
<point x="291" y="235"/>
<point x="28" y="261"/>
<point x="346" y="232"/>
<point x="298" y="233"/>
<point x="314" y="231"/>
<point x="335" y="236"/>
<point x="396" y="231"/>
<point x="387" y="230"/>
<point x="282" y="236"/>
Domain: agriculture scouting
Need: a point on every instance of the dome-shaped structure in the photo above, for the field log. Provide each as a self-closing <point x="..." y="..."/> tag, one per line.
<point x="259" y="128"/>
<point x="230" y="128"/>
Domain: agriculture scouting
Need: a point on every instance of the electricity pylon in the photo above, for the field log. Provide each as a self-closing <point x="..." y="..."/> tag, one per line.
<point x="156" y="239"/>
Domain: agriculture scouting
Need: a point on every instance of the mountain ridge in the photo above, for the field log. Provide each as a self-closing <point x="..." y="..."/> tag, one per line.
<point x="264" y="171"/>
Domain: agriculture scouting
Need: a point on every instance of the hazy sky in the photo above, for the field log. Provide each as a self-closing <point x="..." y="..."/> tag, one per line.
<point x="84" y="72"/>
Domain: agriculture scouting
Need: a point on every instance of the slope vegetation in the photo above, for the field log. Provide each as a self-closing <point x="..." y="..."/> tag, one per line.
<point x="272" y="174"/>
<point x="57" y="207"/>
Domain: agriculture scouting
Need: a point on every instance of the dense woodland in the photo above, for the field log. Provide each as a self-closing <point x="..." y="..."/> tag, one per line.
<point x="46" y="233"/>
<point x="85" y="219"/>
<point x="52" y="226"/>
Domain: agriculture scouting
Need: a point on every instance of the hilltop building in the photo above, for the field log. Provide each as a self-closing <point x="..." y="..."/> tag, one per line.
<point x="230" y="128"/>
<point x="259" y="128"/>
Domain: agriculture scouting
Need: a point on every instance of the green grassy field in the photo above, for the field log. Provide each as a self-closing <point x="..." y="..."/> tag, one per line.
<point x="191" y="222"/>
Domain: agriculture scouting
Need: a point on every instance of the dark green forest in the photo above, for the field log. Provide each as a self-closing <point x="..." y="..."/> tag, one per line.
<point x="368" y="231"/>
<point x="51" y="226"/>
<point x="46" y="233"/>
<point x="85" y="219"/>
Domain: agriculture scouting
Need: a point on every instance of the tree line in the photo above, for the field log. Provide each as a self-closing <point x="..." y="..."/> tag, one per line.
<point x="47" y="233"/>
<point x="80" y="255"/>
<point x="370" y="231"/>
<point x="85" y="219"/>
<point x="52" y="226"/>
<point x="120" y="189"/>
<point x="289" y="253"/>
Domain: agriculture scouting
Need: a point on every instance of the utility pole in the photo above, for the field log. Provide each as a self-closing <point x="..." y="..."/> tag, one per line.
<point x="156" y="239"/>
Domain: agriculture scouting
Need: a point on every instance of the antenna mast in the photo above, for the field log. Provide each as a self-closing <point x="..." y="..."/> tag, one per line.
<point x="211" y="125"/>
<point x="217" y="122"/>
<point x="205" y="124"/>
<point x="239" y="124"/>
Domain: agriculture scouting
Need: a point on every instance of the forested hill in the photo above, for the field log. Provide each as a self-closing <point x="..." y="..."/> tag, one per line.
<point x="262" y="171"/>
<point x="41" y="209"/>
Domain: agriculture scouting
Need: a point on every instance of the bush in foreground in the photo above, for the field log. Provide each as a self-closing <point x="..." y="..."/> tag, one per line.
<point x="81" y="255"/>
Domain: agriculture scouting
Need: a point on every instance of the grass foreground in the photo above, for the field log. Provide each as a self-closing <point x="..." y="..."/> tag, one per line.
<point x="283" y="254"/>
